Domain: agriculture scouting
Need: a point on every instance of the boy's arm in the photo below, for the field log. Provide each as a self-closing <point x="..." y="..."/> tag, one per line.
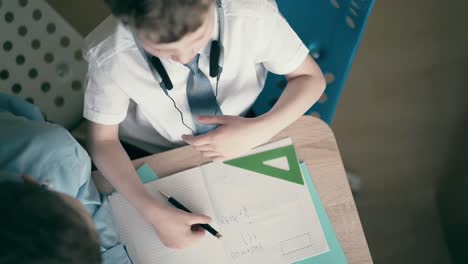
<point x="172" y="225"/>
<point x="113" y="162"/>
<point x="237" y="135"/>
<point x="305" y="86"/>
<point x="279" y="49"/>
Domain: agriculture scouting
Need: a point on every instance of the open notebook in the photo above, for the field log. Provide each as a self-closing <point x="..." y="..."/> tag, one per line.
<point x="258" y="202"/>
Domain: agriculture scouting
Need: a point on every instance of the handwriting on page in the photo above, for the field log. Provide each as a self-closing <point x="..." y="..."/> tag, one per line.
<point x="248" y="246"/>
<point x="235" y="217"/>
<point x="246" y="242"/>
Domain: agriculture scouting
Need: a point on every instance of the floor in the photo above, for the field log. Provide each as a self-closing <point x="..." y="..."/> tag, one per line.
<point x="404" y="101"/>
<point x="397" y="122"/>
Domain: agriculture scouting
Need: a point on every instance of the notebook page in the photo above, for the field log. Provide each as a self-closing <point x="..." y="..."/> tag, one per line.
<point x="144" y="246"/>
<point x="263" y="219"/>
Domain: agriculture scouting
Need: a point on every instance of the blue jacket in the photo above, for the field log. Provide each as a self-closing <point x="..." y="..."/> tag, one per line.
<point x="47" y="152"/>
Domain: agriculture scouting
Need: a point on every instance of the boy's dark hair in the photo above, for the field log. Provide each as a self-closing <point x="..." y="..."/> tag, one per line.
<point x="38" y="227"/>
<point x="162" y="21"/>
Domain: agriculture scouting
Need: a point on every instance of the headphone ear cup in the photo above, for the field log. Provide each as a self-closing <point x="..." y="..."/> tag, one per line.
<point x="215" y="53"/>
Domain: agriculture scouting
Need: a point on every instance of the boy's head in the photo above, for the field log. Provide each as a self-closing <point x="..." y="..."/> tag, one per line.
<point x="173" y="29"/>
<point x="38" y="226"/>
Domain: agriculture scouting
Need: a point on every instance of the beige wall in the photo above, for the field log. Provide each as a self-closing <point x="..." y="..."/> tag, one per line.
<point x="84" y="15"/>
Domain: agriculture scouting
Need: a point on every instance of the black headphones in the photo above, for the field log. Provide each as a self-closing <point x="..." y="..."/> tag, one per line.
<point x="156" y="65"/>
<point x="215" y="70"/>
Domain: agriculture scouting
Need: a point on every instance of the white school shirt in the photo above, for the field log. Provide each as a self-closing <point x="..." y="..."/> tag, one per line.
<point x="121" y="89"/>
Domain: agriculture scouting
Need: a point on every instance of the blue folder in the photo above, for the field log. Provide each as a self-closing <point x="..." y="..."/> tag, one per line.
<point x="335" y="255"/>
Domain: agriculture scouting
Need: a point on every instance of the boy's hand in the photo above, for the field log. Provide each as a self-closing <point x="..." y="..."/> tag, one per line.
<point x="235" y="136"/>
<point x="176" y="228"/>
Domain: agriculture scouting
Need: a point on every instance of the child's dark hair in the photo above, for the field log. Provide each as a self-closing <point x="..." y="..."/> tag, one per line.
<point x="38" y="227"/>
<point x="163" y="21"/>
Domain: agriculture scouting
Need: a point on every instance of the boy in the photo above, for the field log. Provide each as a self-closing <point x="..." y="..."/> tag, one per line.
<point x="160" y="44"/>
<point x="41" y="226"/>
<point x="47" y="196"/>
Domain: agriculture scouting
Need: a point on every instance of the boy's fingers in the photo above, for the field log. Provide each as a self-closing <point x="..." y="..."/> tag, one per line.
<point x="198" y="231"/>
<point x="188" y="138"/>
<point x="204" y="148"/>
<point x="199" y="219"/>
<point x="210" y="154"/>
<point x="198" y="140"/>
<point x="212" y="120"/>
<point x="218" y="158"/>
<point x="202" y="140"/>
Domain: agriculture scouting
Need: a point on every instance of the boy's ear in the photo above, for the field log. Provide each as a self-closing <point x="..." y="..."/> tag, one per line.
<point x="29" y="179"/>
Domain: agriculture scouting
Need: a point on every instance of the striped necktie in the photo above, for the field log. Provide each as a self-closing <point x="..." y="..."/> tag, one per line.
<point x="200" y="96"/>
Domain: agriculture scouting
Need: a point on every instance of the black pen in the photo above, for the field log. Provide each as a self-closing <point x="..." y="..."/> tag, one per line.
<point x="181" y="207"/>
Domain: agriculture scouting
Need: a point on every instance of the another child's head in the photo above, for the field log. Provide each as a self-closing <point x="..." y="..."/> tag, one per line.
<point x="38" y="226"/>
<point x="173" y="29"/>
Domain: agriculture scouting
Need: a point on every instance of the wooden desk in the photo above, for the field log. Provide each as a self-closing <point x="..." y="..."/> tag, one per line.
<point x="316" y="145"/>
